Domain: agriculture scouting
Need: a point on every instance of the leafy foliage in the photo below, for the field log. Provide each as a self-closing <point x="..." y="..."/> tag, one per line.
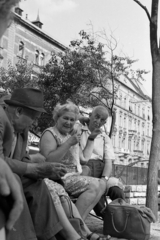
<point x="18" y="76"/>
<point x="87" y="73"/>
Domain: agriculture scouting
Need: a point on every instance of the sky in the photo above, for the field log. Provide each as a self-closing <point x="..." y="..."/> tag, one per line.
<point x="125" y="19"/>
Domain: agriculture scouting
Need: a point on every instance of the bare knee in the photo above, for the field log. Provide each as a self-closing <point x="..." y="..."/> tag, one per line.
<point x="94" y="187"/>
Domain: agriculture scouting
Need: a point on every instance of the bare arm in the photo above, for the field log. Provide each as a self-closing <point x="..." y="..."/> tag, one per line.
<point x="16" y="166"/>
<point x="107" y="168"/>
<point x="85" y="155"/>
<point x="48" y="147"/>
<point x="108" y="157"/>
<point x="9" y="185"/>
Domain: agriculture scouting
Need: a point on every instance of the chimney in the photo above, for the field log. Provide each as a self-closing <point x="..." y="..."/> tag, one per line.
<point x="18" y="10"/>
<point x="37" y="22"/>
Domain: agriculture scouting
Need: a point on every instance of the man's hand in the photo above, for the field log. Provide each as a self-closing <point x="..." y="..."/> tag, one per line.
<point x="49" y="170"/>
<point x="84" y="120"/>
<point x="9" y="185"/>
<point x="94" y="133"/>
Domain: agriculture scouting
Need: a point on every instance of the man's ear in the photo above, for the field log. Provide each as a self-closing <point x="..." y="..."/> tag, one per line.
<point x="18" y="111"/>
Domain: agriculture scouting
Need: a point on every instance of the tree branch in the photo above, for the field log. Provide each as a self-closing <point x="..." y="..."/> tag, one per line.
<point x="144" y="8"/>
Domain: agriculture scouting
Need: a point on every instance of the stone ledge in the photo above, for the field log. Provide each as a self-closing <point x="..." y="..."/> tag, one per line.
<point x="136" y="194"/>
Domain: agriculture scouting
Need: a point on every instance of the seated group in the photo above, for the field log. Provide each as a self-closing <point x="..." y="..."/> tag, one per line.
<point x="75" y="160"/>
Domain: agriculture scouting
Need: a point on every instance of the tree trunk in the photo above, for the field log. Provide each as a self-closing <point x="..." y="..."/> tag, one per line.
<point x="112" y="123"/>
<point x="152" y="187"/>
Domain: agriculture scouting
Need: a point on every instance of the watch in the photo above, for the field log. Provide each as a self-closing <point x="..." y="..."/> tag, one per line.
<point x="107" y="178"/>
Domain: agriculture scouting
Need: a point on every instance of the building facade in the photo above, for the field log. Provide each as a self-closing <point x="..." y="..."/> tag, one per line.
<point x="25" y="40"/>
<point x="132" y="132"/>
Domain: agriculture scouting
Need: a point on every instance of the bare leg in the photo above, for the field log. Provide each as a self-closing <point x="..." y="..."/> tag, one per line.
<point x="85" y="230"/>
<point x="68" y="231"/>
<point x="88" y="199"/>
<point x="74" y="211"/>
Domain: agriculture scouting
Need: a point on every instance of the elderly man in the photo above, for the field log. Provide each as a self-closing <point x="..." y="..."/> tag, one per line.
<point x="41" y="221"/>
<point x="99" y="154"/>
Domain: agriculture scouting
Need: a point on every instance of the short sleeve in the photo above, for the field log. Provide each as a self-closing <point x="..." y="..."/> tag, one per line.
<point x="108" y="149"/>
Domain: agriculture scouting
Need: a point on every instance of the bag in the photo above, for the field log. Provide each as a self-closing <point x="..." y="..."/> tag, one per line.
<point x="76" y="223"/>
<point x="123" y="220"/>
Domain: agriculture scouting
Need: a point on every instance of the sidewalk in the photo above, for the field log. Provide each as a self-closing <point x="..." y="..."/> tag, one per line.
<point x="96" y="225"/>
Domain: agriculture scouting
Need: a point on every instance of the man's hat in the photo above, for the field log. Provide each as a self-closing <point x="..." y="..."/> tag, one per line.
<point x="3" y="98"/>
<point x="27" y="97"/>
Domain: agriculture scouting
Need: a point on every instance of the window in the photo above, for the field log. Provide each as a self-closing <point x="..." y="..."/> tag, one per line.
<point x="120" y="119"/>
<point x="120" y="142"/>
<point x="138" y="145"/>
<point x="130" y="123"/>
<point x="138" y="110"/>
<point x="129" y="144"/>
<point x="21" y="49"/>
<point x="120" y="99"/>
<point x="42" y="58"/>
<point x="148" y="130"/>
<point x="134" y="147"/>
<point x="142" y="145"/>
<point x="125" y="122"/>
<point x="125" y="101"/>
<point x="143" y="112"/>
<point x="135" y="124"/>
<point x="135" y="108"/>
<point x="148" y="113"/>
<point x="138" y="125"/>
<point x="130" y="106"/>
<point x="143" y="127"/>
<point x="37" y="57"/>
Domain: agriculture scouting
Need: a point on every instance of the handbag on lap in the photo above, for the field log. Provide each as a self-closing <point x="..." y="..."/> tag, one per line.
<point x="123" y="220"/>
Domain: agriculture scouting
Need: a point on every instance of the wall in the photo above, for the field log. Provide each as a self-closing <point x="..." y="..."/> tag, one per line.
<point x="136" y="194"/>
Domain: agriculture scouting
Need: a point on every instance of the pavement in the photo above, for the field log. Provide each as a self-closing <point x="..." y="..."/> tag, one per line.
<point x="96" y="225"/>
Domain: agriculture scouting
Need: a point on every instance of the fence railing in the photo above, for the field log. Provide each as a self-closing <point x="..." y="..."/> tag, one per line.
<point x="131" y="175"/>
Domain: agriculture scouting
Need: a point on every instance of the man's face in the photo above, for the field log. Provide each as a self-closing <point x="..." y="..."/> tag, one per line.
<point x="24" y="121"/>
<point x="98" y="118"/>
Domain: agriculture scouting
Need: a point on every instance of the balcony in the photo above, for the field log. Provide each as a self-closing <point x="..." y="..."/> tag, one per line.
<point x="132" y="132"/>
<point x="138" y="153"/>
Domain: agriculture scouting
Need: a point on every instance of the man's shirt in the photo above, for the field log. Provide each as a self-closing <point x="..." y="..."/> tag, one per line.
<point x="103" y="148"/>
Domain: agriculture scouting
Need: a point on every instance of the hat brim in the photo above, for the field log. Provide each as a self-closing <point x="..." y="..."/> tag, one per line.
<point x="15" y="103"/>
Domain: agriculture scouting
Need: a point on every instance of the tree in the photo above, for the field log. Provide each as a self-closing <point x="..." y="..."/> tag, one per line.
<point x="60" y="80"/>
<point x="152" y="200"/>
<point x="18" y="76"/>
<point x="100" y="58"/>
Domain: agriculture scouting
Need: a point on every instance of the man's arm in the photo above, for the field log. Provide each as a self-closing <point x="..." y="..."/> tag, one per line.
<point x="107" y="170"/>
<point x="17" y="166"/>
